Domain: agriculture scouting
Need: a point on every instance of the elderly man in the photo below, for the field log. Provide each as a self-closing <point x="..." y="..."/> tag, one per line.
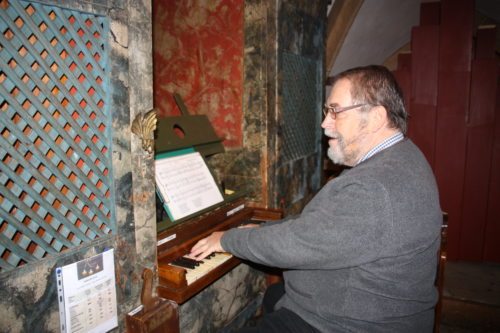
<point x="361" y="257"/>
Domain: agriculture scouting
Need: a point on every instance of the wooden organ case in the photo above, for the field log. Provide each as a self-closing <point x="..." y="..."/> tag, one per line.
<point x="180" y="279"/>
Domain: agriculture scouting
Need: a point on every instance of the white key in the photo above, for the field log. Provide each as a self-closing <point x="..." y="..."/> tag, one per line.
<point x="208" y="264"/>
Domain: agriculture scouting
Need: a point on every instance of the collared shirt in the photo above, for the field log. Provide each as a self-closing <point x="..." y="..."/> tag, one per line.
<point x="383" y="145"/>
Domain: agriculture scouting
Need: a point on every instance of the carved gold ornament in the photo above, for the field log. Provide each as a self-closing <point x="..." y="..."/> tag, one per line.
<point x="144" y="126"/>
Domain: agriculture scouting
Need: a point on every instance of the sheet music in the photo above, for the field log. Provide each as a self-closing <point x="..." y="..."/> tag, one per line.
<point x="186" y="185"/>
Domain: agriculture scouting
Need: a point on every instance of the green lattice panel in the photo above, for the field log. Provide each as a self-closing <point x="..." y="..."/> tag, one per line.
<point x="55" y="176"/>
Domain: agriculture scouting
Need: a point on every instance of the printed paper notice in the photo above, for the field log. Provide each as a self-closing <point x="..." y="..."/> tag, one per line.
<point x="185" y="185"/>
<point x="87" y="294"/>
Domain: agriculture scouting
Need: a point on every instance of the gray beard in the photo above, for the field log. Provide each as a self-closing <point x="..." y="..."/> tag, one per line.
<point x="337" y="154"/>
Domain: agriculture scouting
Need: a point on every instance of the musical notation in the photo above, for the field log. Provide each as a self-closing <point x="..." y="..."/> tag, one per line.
<point x="186" y="185"/>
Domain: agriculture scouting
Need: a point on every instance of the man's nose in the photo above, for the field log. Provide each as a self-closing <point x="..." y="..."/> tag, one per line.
<point x="328" y="122"/>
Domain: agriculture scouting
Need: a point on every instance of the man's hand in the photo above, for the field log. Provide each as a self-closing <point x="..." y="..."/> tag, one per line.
<point x="207" y="246"/>
<point x="249" y="225"/>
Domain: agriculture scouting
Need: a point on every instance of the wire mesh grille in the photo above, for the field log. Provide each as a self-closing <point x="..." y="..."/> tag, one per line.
<point x="55" y="176"/>
<point x="300" y="104"/>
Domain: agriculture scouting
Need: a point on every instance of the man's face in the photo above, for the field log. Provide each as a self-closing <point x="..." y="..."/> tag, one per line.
<point x="347" y="131"/>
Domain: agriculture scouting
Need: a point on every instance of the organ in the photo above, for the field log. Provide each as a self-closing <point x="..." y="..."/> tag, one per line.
<point x="181" y="278"/>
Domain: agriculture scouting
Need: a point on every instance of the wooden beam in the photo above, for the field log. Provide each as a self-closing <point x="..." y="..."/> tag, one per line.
<point x="340" y="20"/>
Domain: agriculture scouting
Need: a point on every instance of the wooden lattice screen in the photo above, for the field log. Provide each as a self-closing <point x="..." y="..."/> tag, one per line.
<point x="55" y="131"/>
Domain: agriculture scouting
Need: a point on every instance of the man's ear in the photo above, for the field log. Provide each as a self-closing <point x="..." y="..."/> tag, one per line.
<point x="379" y="117"/>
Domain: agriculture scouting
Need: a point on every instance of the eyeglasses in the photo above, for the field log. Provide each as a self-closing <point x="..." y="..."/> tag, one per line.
<point x="334" y="110"/>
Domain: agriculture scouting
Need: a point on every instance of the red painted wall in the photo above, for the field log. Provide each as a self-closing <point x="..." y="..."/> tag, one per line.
<point x="198" y="53"/>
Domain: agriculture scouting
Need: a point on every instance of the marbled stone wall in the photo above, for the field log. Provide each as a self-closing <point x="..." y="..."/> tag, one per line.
<point x="297" y="168"/>
<point x="216" y="306"/>
<point x="28" y="295"/>
<point x="272" y="29"/>
<point x="247" y="168"/>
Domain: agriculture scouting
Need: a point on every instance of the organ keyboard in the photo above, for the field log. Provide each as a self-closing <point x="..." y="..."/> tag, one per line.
<point x="178" y="280"/>
<point x="196" y="270"/>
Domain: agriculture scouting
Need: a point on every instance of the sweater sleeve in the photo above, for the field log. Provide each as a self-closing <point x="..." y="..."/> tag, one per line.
<point x="347" y="223"/>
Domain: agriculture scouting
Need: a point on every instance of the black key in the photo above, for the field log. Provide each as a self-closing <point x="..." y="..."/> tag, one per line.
<point x="183" y="263"/>
<point x="193" y="261"/>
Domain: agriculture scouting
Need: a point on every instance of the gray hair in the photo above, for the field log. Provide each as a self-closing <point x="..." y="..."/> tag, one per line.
<point x="376" y="85"/>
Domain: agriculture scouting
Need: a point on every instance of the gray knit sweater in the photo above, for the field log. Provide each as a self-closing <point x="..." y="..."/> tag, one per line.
<point x="361" y="256"/>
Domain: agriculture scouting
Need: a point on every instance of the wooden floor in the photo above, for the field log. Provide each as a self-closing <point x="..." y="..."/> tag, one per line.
<point x="471" y="300"/>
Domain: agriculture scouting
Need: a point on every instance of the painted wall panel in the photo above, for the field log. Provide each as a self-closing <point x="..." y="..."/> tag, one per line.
<point x="454" y="91"/>
<point x="430" y="13"/>
<point x="449" y="167"/>
<point x="492" y="233"/>
<point x="423" y="129"/>
<point x="403" y="77"/>
<point x="425" y="52"/>
<point x="457" y="23"/>
<point x="485" y="42"/>
<point x="483" y="92"/>
<point x="475" y="193"/>
<point x="404" y="61"/>
<point x="198" y="53"/>
<point x="464" y="142"/>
